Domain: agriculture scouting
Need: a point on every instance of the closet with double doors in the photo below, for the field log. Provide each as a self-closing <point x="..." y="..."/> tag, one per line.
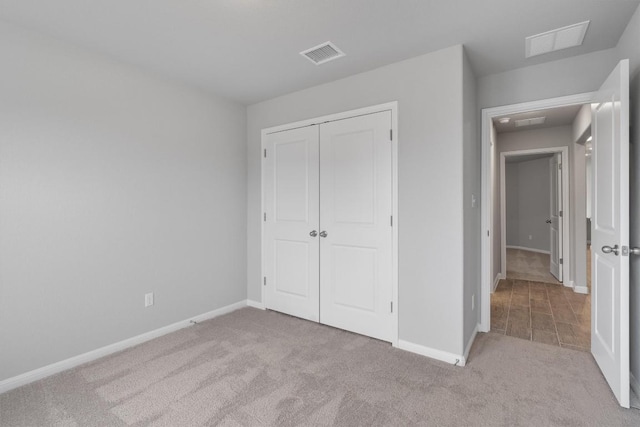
<point x="328" y="245"/>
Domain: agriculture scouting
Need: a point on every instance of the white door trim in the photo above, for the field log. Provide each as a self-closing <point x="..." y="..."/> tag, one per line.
<point x="566" y="208"/>
<point x="486" y="219"/>
<point x="390" y="106"/>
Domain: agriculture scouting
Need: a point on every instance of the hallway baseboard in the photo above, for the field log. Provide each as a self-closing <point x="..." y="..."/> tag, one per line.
<point x="523" y="248"/>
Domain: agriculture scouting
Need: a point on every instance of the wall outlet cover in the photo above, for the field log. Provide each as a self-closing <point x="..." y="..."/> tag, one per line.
<point x="148" y="299"/>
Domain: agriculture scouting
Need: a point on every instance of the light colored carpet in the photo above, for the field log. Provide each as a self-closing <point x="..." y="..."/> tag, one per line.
<point x="252" y="368"/>
<point x="528" y="265"/>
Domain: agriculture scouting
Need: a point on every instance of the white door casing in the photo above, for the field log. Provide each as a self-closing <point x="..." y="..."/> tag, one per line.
<point x="610" y="231"/>
<point x="565" y="252"/>
<point x="291" y="253"/>
<point x="356" y="290"/>
<point x="555" y="216"/>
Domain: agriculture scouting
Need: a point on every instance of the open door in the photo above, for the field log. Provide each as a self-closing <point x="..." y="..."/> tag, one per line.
<point x="555" y="216"/>
<point x="610" y="232"/>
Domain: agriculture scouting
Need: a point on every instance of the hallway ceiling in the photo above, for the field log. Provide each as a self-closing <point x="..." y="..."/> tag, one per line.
<point x="559" y="116"/>
<point x="248" y="50"/>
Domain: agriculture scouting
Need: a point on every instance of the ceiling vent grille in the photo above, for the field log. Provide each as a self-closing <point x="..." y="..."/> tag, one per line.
<point x="322" y="53"/>
<point x="558" y="39"/>
<point x="530" y="122"/>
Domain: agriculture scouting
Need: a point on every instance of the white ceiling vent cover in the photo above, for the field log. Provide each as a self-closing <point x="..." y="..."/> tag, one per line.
<point x="561" y="38"/>
<point x="322" y="53"/>
<point x="530" y="122"/>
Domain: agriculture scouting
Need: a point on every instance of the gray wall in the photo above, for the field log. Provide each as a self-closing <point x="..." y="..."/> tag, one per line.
<point x="428" y="89"/>
<point x="512" y="208"/>
<point x="471" y="177"/>
<point x="114" y="183"/>
<point x="578" y="74"/>
<point x="527" y="197"/>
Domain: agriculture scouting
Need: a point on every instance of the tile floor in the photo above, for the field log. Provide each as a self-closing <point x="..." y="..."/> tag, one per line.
<point x="542" y="312"/>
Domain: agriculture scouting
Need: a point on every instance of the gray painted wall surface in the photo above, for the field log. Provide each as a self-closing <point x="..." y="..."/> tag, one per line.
<point x="527" y="196"/>
<point x="428" y="89"/>
<point x="114" y="183"/>
<point x="471" y="176"/>
<point x="512" y="210"/>
<point x="578" y="74"/>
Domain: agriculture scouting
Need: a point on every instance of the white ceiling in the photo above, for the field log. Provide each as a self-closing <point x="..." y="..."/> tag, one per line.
<point x="559" y="116"/>
<point x="247" y="50"/>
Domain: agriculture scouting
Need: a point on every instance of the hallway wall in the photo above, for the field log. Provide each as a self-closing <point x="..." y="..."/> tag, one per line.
<point x="528" y="204"/>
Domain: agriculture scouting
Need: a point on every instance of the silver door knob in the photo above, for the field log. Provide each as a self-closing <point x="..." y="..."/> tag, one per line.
<point x="323" y="234"/>
<point x="609" y="249"/>
<point x="548" y="221"/>
<point x="314" y="233"/>
<point x="634" y="251"/>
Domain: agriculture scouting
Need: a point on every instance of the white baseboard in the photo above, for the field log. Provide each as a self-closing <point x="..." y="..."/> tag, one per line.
<point x="444" y="356"/>
<point x="579" y="289"/>
<point x="523" y="248"/>
<point x="499" y="277"/>
<point x="72" y="362"/>
<point x="469" y="344"/>
<point x="256" y="304"/>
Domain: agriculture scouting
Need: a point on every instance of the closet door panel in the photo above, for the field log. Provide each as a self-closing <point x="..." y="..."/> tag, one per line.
<point x="355" y="213"/>
<point x="291" y="199"/>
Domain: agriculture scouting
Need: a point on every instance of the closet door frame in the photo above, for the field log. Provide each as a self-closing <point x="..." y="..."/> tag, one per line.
<point x="393" y="108"/>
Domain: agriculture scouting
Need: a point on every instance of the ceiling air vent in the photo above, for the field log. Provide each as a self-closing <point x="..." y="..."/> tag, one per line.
<point x="558" y="39"/>
<point x="322" y="53"/>
<point x="530" y="122"/>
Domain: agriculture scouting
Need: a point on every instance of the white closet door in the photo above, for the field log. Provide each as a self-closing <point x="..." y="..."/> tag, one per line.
<point x="355" y="213"/>
<point x="291" y="226"/>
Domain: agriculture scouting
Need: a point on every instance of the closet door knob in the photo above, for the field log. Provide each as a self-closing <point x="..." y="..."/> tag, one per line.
<point x="323" y="234"/>
<point x="548" y="221"/>
<point x="314" y="233"/>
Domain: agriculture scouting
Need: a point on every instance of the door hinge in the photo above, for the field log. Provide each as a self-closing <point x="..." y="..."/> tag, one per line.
<point x="264" y="216"/>
<point x="561" y="261"/>
<point x="392" y="220"/>
<point x="264" y="281"/>
<point x="392" y="306"/>
<point x="487" y="233"/>
<point x="560" y="214"/>
<point x="265" y="153"/>
<point x="391" y="134"/>
<point x="560" y="166"/>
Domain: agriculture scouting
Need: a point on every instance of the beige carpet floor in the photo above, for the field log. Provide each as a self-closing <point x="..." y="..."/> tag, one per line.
<point x="253" y="368"/>
<point x="529" y="265"/>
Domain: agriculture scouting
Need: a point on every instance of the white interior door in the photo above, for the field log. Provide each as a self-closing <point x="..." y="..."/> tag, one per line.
<point x="291" y="198"/>
<point x="610" y="232"/>
<point x="355" y="216"/>
<point x="555" y="216"/>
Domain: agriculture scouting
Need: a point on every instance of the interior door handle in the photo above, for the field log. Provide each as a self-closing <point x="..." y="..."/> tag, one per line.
<point x="323" y="234"/>
<point x="609" y="249"/>
<point x="314" y="233"/>
<point x="634" y="251"/>
<point x="548" y="221"/>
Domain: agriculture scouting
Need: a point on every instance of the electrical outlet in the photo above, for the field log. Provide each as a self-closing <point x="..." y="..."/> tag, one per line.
<point x="148" y="299"/>
<point x="473" y="302"/>
<point x="530" y="237"/>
